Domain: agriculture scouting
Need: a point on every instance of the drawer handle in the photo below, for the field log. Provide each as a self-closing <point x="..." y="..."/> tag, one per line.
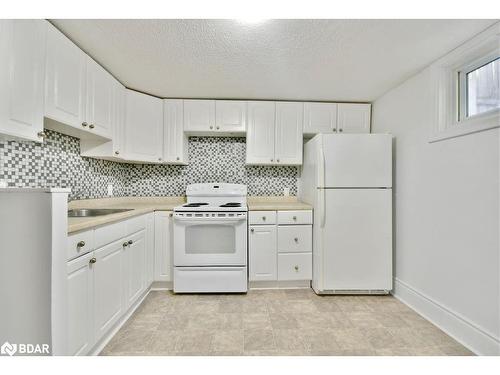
<point x="263" y="218"/>
<point x="294" y="218"/>
<point x="91" y="126"/>
<point x="125" y="244"/>
<point x="252" y="230"/>
<point x="130" y="242"/>
<point x="296" y="268"/>
<point x="92" y="260"/>
<point x="296" y="239"/>
<point x="80" y="244"/>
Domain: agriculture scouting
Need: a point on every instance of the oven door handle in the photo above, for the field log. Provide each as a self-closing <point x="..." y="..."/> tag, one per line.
<point x="209" y="219"/>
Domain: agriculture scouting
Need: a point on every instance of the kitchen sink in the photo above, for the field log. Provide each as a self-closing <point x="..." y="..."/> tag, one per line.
<point x="90" y="212"/>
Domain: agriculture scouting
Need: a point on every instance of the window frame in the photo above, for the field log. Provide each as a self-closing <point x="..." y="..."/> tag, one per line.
<point x="448" y="78"/>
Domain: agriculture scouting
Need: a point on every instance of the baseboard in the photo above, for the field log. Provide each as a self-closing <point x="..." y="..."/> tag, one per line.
<point x="293" y="284"/>
<point x="162" y="285"/>
<point x="464" y="331"/>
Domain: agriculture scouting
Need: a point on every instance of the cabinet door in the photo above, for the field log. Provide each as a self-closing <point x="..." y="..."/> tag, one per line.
<point x="260" y="133"/>
<point x="65" y="80"/>
<point x="163" y="246"/>
<point x="22" y="69"/>
<point x="354" y="118"/>
<point x="143" y="127"/>
<point x="199" y="115"/>
<point x="80" y="305"/>
<point x="118" y="120"/>
<point x="135" y="258"/>
<point x="320" y="118"/>
<point x="108" y="287"/>
<point x="262" y="253"/>
<point x="99" y="99"/>
<point x="175" y="142"/>
<point x="289" y="118"/>
<point x="230" y="116"/>
<point x="150" y="249"/>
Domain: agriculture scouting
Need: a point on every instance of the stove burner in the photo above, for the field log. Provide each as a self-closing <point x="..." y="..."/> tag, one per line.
<point x="195" y="204"/>
<point x="231" y="204"/>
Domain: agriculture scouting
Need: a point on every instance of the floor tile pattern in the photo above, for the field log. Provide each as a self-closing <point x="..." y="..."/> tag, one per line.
<point x="278" y="322"/>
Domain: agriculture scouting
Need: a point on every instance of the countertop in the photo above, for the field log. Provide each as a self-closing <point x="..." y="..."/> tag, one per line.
<point x="143" y="205"/>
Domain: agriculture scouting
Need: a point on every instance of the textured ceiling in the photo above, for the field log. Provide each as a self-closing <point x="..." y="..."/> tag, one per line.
<point x="343" y="60"/>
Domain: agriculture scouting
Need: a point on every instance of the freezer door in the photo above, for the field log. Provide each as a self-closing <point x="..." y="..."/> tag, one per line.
<point x="357" y="239"/>
<point x="357" y="160"/>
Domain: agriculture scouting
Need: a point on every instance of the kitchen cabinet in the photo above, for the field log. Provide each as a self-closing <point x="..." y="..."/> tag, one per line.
<point x="65" y="81"/>
<point x="354" y="118"/>
<point x="289" y="118"/>
<point x="280" y="245"/>
<point x="108" y="272"/>
<point x="22" y="73"/>
<point x="319" y="118"/>
<point x="135" y="263"/>
<point x="175" y="142"/>
<point x="150" y="248"/>
<point x="143" y="127"/>
<point x="262" y="253"/>
<point x="163" y="246"/>
<point x="199" y="116"/>
<point x="99" y="99"/>
<point x="274" y="133"/>
<point x="80" y="305"/>
<point x="260" y="132"/>
<point x="230" y="116"/>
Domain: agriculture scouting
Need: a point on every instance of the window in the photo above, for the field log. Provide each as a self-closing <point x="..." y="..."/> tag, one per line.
<point x="467" y="87"/>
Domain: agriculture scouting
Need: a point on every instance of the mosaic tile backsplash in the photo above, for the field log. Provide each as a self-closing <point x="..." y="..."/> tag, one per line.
<point x="57" y="163"/>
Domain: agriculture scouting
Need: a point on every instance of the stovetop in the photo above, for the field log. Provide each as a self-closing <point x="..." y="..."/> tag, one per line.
<point x="203" y="206"/>
<point x="215" y="197"/>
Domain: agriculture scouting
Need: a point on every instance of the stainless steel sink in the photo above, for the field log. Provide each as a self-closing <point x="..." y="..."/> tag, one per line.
<point x="90" y="212"/>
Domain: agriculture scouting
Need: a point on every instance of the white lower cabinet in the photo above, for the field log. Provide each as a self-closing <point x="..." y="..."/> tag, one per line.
<point x="163" y="264"/>
<point x="104" y="283"/>
<point x="280" y="250"/>
<point x="262" y="253"/>
<point x="80" y="305"/>
<point x="108" y="291"/>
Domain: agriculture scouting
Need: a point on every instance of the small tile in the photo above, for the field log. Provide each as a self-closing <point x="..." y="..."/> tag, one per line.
<point x="259" y="339"/>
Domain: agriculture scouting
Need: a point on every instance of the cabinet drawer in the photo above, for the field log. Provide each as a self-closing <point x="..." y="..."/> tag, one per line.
<point x="136" y="224"/>
<point x="295" y="239"/>
<point x="80" y="243"/>
<point x="262" y="217"/>
<point x="296" y="266"/>
<point x="109" y="233"/>
<point x="295" y="217"/>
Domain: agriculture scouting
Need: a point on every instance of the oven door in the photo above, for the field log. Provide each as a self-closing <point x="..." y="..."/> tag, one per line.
<point x="210" y="239"/>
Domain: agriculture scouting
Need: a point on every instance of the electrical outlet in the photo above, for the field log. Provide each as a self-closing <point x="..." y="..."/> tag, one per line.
<point x="286" y="192"/>
<point x="110" y="190"/>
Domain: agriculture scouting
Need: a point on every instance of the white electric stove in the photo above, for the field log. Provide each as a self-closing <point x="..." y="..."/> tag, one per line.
<point x="210" y="239"/>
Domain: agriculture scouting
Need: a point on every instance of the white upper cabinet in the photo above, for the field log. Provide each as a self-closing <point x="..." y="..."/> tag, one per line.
<point x="260" y="132"/>
<point x="230" y="116"/>
<point x="22" y="70"/>
<point x="118" y="118"/>
<point x="320" y="118"/>
<point x="143" y="127"/>
<point x="65" y="80"/>
<point x="100" y="90"/>
<point x="199" y="116"/>
<point x="289" y="118"/>
<point x="354" y="118"/>
<point x="175" y="142"/>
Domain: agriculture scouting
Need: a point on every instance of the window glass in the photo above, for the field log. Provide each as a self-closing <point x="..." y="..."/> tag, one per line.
<point x="483" y="88"/>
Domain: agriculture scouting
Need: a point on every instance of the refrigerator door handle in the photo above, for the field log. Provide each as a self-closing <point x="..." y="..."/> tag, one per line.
<point x="322" y="212"/>
<point x="321" y="184"/>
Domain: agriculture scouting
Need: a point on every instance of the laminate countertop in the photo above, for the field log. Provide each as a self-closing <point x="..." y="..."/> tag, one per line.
<point x="144" y="205"/>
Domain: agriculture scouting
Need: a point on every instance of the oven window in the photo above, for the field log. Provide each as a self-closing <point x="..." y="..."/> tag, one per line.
<point x="210" y="239"/>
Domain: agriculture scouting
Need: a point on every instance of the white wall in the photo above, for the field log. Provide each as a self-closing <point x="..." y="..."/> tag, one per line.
<point x="446" y="218"/>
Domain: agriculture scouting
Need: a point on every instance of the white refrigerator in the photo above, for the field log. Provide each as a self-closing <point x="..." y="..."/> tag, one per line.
<point x="347" y="178"/>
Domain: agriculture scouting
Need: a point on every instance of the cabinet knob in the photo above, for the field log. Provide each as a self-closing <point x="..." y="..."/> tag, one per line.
<point x="170" y="214"/>
<point x="159" y="159"/>
<point x="84" y="124"/>
<point x="294" y="218"/>
<point x="92" y="260"/>
<point x="296" y="268"/>
<point x="80" y="244"/>
<point x="117" y="152"/>
<point x="334" y="130"/>
<point x="272" y="159"/>
<point x="91" y="126"/>
<point x="296" y="239"/>
<point x="341" y="130"/>
<point x="130" y="242"/>
<point x="277" y="160"/>
<point x="125" y="244"/>
<point x="263" y="218"/>
<point x="252" y="230"/>
<point x="217" y="128"/>
<point x="41" y="134"/>
<point x="211" y="127"/>
<point x="177" y="158"/>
